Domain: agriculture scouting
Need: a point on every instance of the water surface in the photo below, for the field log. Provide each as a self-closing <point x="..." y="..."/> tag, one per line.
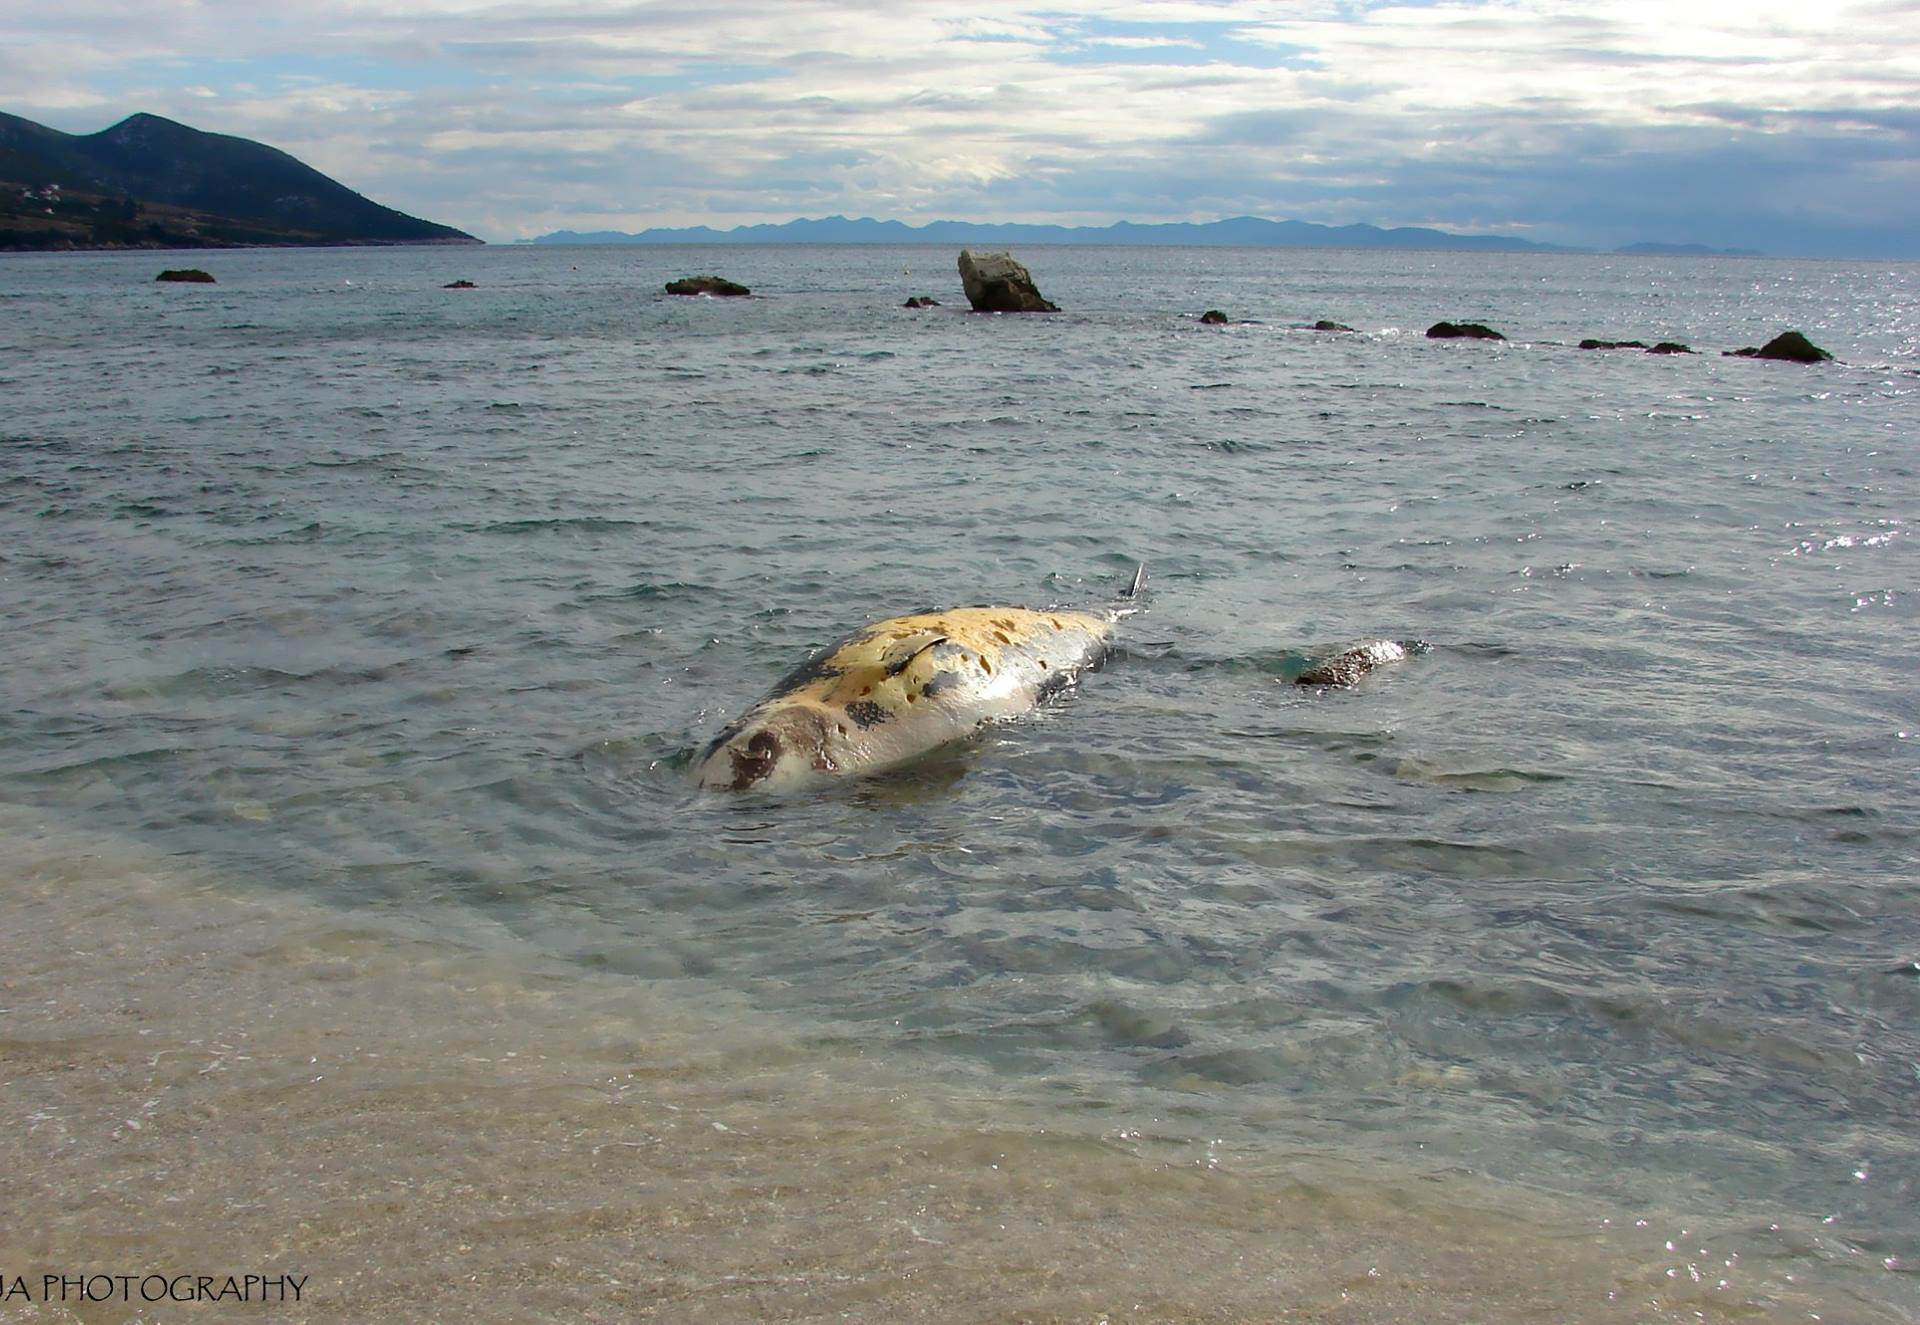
<point x="412" y="604"/>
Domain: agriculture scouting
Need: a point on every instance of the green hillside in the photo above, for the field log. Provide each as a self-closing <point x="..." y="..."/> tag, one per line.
<point x="150" y="182"/>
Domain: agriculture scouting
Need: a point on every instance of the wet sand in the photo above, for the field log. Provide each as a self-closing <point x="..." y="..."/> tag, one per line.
<point x="444" y="1125"/>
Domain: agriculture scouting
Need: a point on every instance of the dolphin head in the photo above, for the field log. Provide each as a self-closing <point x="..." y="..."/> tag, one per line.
<point x="773" y="749"/>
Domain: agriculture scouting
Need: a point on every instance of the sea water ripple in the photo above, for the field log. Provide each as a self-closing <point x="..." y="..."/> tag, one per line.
<point x="417" y="602"/>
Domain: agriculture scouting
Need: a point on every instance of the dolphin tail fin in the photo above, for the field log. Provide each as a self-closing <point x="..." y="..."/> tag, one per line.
<point x="1130" y="600"/>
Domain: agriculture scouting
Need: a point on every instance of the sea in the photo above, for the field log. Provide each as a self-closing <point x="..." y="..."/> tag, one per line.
<point x="358" y="919"/>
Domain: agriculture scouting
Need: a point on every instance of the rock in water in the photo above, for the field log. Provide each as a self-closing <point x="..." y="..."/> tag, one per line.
<point x="922" y="301"/>
<point x="1788" y="345"/>
<point x="1664" y="347"/>
<point x="1346" y="669"/>
<point x="190" y="275"/>
<point x="1456" y="330"/>
<point x="714" y="285"/>
<point x="995" y="283"/>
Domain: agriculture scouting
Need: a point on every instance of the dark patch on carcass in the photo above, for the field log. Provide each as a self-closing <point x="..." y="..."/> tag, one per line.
<point x="813" y="669"/>
<point x="1052" y="683"/>
<point x="756" y="761"/>
<point x="1060" y="676"/>
<point x="939" y="683"/>
<point x="867" y="713"/>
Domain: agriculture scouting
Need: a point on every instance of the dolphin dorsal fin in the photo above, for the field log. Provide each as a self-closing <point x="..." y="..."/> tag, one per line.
<point x="901" y="653"/>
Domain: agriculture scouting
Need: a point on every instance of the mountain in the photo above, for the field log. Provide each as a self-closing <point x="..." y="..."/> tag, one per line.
<point x="150" y="182"/>
<point x="1239" y="231"/>
<point x="1689" y="251"/>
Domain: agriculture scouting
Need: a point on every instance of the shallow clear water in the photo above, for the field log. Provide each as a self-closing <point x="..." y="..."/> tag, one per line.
<point x="416" y="602"/>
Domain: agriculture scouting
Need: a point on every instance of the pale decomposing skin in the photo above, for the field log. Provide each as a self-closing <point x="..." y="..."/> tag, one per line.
<point x="899" y="688"/>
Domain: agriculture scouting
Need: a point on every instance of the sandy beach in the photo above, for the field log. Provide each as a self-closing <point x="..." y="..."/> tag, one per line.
<point x="432" y="1126"/>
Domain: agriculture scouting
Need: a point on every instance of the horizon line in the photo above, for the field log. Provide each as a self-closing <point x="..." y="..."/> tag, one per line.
<point x="1410" y="236"/>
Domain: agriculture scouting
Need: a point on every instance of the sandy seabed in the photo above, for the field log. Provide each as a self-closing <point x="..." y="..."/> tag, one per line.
<point x="444" y="1125"/>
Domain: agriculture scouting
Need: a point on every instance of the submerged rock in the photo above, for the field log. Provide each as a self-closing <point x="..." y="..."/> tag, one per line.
<point x="1788" y="345"/>
<point x="995" y="283"/>
<point x="1131" y="1025"/>
<point x="1213" y="317"/>
<point x="1325" y="324"/>
<point x="190" y="275"/>
<point x="1664" y="347"/>
<point x="714" y="285"/>
<point x="922" y="301"/>
<point x="462" y="284"/>
<point x="1456" y="330"/>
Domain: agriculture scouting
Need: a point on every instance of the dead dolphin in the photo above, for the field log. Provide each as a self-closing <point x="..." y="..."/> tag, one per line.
<point x="901" y="687"/>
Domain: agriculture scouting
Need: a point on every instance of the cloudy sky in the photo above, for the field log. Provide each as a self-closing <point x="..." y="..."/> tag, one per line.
<point x="1784" y="126"/>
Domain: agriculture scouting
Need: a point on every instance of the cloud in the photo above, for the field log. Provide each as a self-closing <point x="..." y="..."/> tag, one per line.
<point x="1602" y="123"/>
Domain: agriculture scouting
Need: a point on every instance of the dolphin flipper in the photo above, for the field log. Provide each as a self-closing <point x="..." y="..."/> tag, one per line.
<point x="900" y="655"/>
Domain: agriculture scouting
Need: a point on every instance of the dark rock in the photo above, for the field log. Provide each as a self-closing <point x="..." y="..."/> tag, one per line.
<point x="1213" y="317"/>
<point x="714" y="285"/>
<point x="923" y="301"/>
<point x="995" y="283"/>
<point x="1456" y="330"/>
<point x="1346" y="669"/>
<point x="1795" y="348"/>
<point x="191" y="275"/>
<point x="460" y="285"/>
<point x="1788" y="345"/>
<point x="1664" y="347"/>
<point x="1324" y="325"/>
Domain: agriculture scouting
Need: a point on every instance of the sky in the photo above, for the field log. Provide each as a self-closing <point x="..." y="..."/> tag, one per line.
<point x="1787" y="127"/>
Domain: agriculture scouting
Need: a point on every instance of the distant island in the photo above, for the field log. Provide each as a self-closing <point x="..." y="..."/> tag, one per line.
<point x="1236" y="232"/>
<point x="149" y="182"/>
<point x="1691" y="251"/>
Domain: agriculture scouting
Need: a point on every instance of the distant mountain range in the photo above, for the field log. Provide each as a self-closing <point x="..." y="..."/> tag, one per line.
<point x="1691" y="251"/>
<point x="1238" y="231"/>
<point x="149" y="182"/>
